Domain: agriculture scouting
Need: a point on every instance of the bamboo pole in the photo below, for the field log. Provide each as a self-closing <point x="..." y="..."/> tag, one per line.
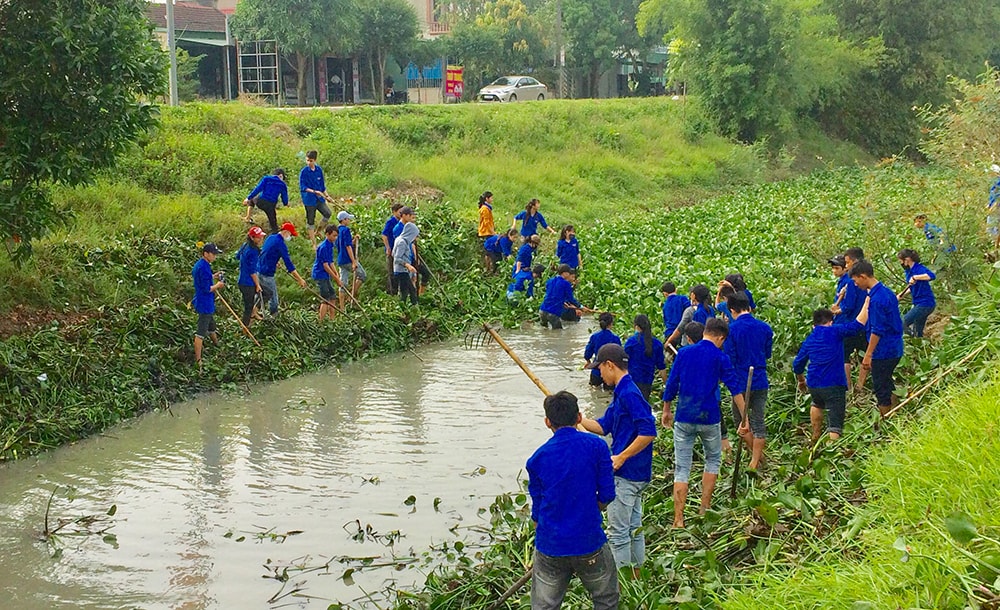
<point x="935" y="381"/>
<point x="238" y="319"/>
<point x="524" y="367"/>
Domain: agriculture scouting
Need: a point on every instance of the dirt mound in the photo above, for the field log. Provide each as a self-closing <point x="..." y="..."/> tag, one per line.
<point x="21" y="320"/>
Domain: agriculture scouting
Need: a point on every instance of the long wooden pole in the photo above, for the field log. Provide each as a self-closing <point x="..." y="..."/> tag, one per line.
<point x="238" y="319"/>
<point x="934" y="381"/>
<point x="524" y="367"/>
<point x="739" y="439"/>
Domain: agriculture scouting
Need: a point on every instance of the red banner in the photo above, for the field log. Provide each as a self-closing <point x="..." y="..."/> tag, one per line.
<point x="453" y="85"/>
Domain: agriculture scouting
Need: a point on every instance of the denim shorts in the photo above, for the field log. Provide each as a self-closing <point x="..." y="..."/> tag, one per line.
<point x="833" y="400"/>
<point x="325" y="288"/>
<point x="206" y="325"/>
<point x="345" y="276"/>
<point x="684" y="437"/>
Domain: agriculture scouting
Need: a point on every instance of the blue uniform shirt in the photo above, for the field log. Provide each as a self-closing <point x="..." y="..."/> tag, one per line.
<point x="851" y="304"/>
<point x="723" y="308"/>
<point x="312" y="179"/>
<point x="567" y="477"/>
<point x="249" y="257"/>
<point x="884" y="320"/>
<point x="597" y="341"/>
<point x="641" y="367"/>
<point x="273" y="249"/>
<point x="627" y="417"/>
<point x="523" y="281"/>
<point x="204" y="298"/>
<point x="694" y="382"/>
<point x="749" y="343"/>
<point x="558" y="290"/>
<point x="936" y="238"/>
<point x="823" y="350"/>
<point x="702" y="313"/>
<point x="673" y="310"/>
<point x="524" y="256"/>
<point x="344" y="239"/>
<point x="324" y="254"/>
<point x="921" y="291"/>
<point x="270" y="188"/>
<point x="842" y="283"/>
<point x="389" y="230"/>
<point x="529" y="224"/>
<point x="753" y="305"/>
<point x="568" y="252"/>
<point x="506" y="246"/>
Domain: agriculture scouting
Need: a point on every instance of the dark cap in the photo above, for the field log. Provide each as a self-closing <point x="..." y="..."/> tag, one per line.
<point x="611" y="352"/>
<point x="210" y="247"/>
<point x="837" y="261"/>
<point x="407" y="210"/>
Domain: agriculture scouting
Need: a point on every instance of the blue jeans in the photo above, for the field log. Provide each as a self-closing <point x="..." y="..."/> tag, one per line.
<point x="684" y="437"/>
<point x="550" y="577"/>
<point x="269" y="290"/>
<point x="914" y="320"/>
<point x="625" y="536"/>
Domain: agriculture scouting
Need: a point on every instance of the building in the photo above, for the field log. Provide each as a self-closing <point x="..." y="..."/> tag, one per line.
<point x="201" y="31"/>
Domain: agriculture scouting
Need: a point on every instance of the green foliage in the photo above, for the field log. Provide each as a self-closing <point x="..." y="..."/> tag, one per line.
<point x="592" y="31"/>
<point x="388" y="27"/>
<point x="74" y="75"/>
<point x="187" y="75"/>
<point x="966" y="133"/>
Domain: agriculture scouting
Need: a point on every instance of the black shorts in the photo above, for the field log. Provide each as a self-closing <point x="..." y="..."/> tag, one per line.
<point x="326" y="289"/>
<point x="882" y="384"/>
<point x="854" y="343"/>
<point x="833" y="400"/>
<point x="496" y="257"/>
<point x="206" y="325"/>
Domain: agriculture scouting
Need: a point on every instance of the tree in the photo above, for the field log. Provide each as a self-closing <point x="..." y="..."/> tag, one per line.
<point x="74" y="79"/>
<point x="592" y="32"/>
<point x="304" y="27"/>
<point x="388" y="27"/>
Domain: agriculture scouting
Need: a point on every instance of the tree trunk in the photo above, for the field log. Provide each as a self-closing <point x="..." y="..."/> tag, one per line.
<point x="381" y="72"/>
<point x="303" y="62"/>
<point x="371" y="75"/>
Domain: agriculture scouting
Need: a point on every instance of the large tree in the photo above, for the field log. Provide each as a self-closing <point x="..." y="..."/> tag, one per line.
<point x="304" y="27"/>
<point x="75" y="77"/>
<point x="388" y="27"/>
<point x="593" y="32"/>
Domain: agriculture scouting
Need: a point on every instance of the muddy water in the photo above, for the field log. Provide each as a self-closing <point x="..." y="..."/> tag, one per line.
<point x="325" y="453"/>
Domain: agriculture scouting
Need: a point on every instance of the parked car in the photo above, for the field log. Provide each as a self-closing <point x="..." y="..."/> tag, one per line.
<point x="512" y="89"/>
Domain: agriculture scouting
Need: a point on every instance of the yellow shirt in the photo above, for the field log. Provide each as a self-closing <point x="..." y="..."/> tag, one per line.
<point x="486" y="226"/>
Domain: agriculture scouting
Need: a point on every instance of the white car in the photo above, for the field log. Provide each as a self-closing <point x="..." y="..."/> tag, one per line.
<point x="512" y="89"/>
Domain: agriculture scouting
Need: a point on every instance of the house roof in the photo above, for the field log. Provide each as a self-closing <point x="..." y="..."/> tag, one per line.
<point x="189" y="17"/>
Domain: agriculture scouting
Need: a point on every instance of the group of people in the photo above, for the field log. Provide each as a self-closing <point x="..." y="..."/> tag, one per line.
<point x="574" y="476"/>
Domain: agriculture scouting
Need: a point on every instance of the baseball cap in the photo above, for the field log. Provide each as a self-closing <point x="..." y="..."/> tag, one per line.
<point x="344" y="215"/>
<point x="837" y="261"/>
<point x="290" y="228"/>
<point x="255" y="232"/>
<point x="611" y="352"/>
<point x="407" y="210"/>
<point x="210" y="247"/>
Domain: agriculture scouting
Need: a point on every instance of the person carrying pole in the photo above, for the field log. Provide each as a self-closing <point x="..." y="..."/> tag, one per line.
<point x="249" y="280"/>
<point x="312" y="188"/>
<point x="275" y="248"/>
<point x="265" y="196"/>
<point x="749" y="344"/>
<point x="347" y="258"/>
<point x="885" y="334"/>
<point x="204" y="297"/>
<point x="324" y="272"/>
<point x="694" y="382"/>
<point x="847" y="310"/>
<point x="632" y="428"/>
<point x="559" y="303"/>
<point x="571" y="481"/>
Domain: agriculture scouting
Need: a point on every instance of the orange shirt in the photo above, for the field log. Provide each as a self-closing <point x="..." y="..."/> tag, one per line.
<point x="486" y="226"/>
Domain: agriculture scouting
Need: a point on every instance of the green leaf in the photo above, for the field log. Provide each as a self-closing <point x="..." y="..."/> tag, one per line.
<point x="112" y="510"/>
<point x="410" y="501"/>
<point x="768" y="513"/>
<point x="961" y="527"/>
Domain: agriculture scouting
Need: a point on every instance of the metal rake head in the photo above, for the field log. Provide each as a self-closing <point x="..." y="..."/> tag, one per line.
<point x="479" y="338"/>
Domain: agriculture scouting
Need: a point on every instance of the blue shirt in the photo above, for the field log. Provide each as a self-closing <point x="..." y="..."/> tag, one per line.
<point x="558" y="290"/>
<point x="324" y="254"/>
<point x="345" y="239"/>
<point x="673" y="310"/>
<point x="994" y="194"/>
<point x="702" y="313"/>
<point x="389" y="230"/>
<point x="567" y="477"/>
<point x="270" y="188"/>
<point x="529" y="226"/>
<point x="884" y="320"/>
<point x="524" y="256"/>
<point x="749" y="294"/>
<point x="851" y="304"/>
<point x="921" y="291"/>
<point x="273" y="249"/>
<point x="627" y="417"/>
<point x="568" y="252"/>
<point x="694" y="382"/>
<point x="842" y="283"/>
<point x="597" y="341"/>
<point x="723" y="308"/>
<point x="312" y="179"/>
<point x="498" y="244"/>
<point x="641" y="367"/>
<point x="249" y="257"/>
<point x="823" y="350"/>
<point x="204" y="298"/>
<point x="936" y="237"/>
<point x="749" y="344"/>
<point x="523" y="280"/>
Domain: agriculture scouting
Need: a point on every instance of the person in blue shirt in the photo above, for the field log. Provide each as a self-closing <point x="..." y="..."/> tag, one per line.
<point x="721" y="300"/>
<point x="699" y="310"/>
<point x="630" y="423"/>
<point x="736" y="281"/>
<point x="312" y="187"/>
<point x="408" y="214"/>
<point x="596" y="342"/>
<point x="249" y="257"/>
<point x="847" y="308"/>
<point x="568" y="248"/>
<point x="388" y="239"/>
<point x="673" y="309"/>
<point x="265" y="197"/>
<point x="885" y="334"/>
<point x="324" y="273"/>
<point x="570" y="481"/>
<point x="275" y="248"/>
<point x="347" y="258"/>
<point x="525" y="254"/>
<point x="749" y="344"/>
<point x="524" y="282"/>
<point x="204" y="298"/>
<point x="935" y="235"/>
<point x="530" y="218"/>
<point x="993" y="204"/>
<point x="694" y="382"/>
<point x="498" y="248"/>
<point x="559" y="303"/>
<point x="918" y="283"/>
<point x="825" y="380"/>
<point x="645" y="356"/>
<point x="838" y="266"/>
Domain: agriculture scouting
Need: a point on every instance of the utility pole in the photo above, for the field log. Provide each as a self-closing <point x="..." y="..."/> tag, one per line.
<point x="560" y="51"/>
<point x="172" y="50"/>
